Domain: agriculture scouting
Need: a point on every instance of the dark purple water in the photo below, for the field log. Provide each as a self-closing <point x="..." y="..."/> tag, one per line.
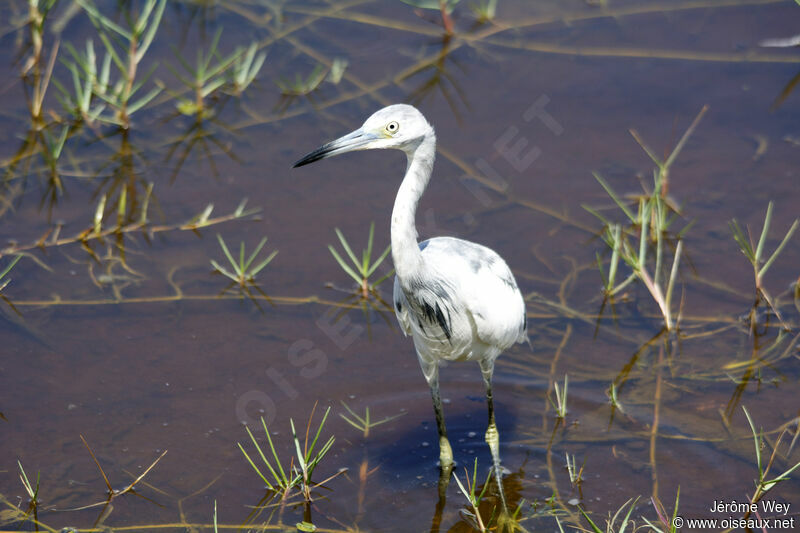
<point x="112" y="351"/>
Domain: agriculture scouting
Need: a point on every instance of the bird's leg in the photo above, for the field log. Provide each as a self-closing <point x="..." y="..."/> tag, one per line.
<point x="445" y="452"/>
<point x="430" y="368"/>
<point x="492" y="436"/>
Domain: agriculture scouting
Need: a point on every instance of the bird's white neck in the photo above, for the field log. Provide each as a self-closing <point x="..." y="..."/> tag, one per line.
<point x="405" y="249"/>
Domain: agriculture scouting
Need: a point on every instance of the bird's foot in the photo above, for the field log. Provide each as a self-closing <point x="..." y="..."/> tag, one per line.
<point x="493" y="440"/>
<point x="445" y="454"/>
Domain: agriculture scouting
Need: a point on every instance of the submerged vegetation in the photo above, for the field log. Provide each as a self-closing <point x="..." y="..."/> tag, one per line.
<point x="362" y="270"/>
<point x="108" y="115"/>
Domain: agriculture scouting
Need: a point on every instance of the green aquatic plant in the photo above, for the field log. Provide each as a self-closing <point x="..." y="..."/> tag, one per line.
<point x="485" y="10"/>
<point x="113" y="493"/>
<point x="470" y="492"/>
<point x="302" y="86"/>
<point x="127" y="48"/>
<point x="307" y="458"/>
<point x="246" y="67"/>
<point x="243" y="270"/>
<point x="611" y="522"/>
<point x="204" y="78"/>
<point x="36" y="87"/>
<point x="31" y="490"/>
<point x="755" y="252"/>
<point x="364" y="423"/>
<point x="560" y="405"/>
<point x="82" y="102"/>
<point x="653" y="218"/>
<point x="575" y="473"/>
<point x="282" y="480"/>
<point x="636" y="259"/>
<point x="665" y="523"/>
<point x="363" y="269"/>
<point x="613" y="399"/>
<point x="216" y="527"/>
<point x="37" y="13"/>
<point x="4" y="279"/>
<point x="764" y="483"/>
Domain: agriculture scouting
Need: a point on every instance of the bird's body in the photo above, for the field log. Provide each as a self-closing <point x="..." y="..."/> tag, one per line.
<point x="458" y="300"/>
<point x="465" y="305"/>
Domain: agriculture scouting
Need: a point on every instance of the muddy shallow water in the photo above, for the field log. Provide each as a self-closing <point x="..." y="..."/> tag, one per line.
<point x="131" y="346"/>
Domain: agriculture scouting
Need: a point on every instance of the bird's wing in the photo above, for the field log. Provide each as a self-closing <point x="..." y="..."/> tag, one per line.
<point x="485" y="286"/>
<point x="401" y="308"/>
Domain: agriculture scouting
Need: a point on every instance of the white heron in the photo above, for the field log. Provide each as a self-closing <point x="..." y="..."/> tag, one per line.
<point x="458" y="300"/>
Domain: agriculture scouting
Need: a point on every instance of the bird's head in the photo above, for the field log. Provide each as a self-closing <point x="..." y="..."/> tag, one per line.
<point x="398" y="126"/>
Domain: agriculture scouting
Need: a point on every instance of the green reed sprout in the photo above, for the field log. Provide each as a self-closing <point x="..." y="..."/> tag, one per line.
<point x="611" y="523"/>
<point x="366" y="266"/>
<point x="51" y="150"/>
<point x="31" y="490"/>
<point x="307" y="458"/>
<point x="473" y="496"/>
<point x="282" y="480"/>
<point x="575" y="473"/>
<point x="204" y="78"/>
<point x="485" y="10"/>
<point x="82" y="103"/>
<point x="278" y="481"/>
<point x="755" y="252"/>
<point x="666" y="524"/>
<point x="560" y="405"/>
<point x="127" y="48"/>
<point x="4" y="281"/>
<point x="37" y="13"/>
<point x="613" y="399"/>
<point x="246" y="67"/>
<point x="364" y="423"/>
<point x="302" y="86"/>
<point x="764" y="484"/>
<point x="653" y="218"/>
<point x="243" y="270"/>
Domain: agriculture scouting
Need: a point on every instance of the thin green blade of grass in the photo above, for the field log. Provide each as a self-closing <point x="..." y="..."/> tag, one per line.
<point x="367" y="255"/>
<point x="756" y="441"/>
<point x="378" y="261"/>
<point x="144" y="100"/>
<point x="685" y="138"/>
<point x="355" y="415"/>
<point x="599" y="262"/>
<point x="151" y="31"/>
<point x="300" y="456"/>
<point x="673" y="274"/>
<point x="259" y="267"/>
<point x="763" y="238"/>
<point x="383" y="278"/>
<point x="227" y="252"/>
<point x="742" y="241"/>
<point x="95" y="15"/>
<point x="283" y="476"/>
<point x="597" y="214"/>
<point x="591" y="523"/>
<point x="319" y="429"/>
<point x="346" y="247"/>
<point x="252" y="464"/>
<point x="645" y="229"/>
<point x="614" y="196"/>
<point x="344" y="265"/>
<point x="779" y="249"/>
<point x="8" y="267"/>
<point x="650" y="153"/>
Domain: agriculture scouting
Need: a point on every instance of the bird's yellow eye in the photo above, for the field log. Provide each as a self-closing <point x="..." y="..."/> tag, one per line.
<point x="392" y="127"/>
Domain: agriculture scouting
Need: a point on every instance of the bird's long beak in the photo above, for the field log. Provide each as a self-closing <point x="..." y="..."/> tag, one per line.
<point x="356" y="140"/>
